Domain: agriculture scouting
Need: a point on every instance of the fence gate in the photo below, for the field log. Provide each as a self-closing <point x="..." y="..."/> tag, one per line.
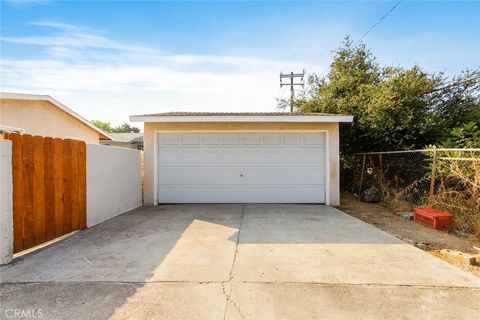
<point x="49" y="188"/>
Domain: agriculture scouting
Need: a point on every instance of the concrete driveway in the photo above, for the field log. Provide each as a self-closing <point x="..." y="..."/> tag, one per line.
<point x="237" y="262"/>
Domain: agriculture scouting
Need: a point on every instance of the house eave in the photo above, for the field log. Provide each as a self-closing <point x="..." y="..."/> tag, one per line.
<point x="296" y="118"/>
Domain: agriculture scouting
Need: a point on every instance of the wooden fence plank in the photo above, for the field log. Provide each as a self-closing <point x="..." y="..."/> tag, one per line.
<point x="75" y="185"/>
<point x="28" y="221"/>
<point x="18" y="191"/>
<point x="58" y="184"/>
<point x="82" y="182"/>
<point x="39" y="189"/>
<point x="67" y="186"/>
<point x="49" y="189"/>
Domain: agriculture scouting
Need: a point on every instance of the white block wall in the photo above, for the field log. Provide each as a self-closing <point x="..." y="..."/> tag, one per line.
<point x="114" y="182"/>
<point x="6" y="202"/>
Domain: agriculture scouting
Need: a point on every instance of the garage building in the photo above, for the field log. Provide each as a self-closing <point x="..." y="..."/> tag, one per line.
<point x="203" y="157"/>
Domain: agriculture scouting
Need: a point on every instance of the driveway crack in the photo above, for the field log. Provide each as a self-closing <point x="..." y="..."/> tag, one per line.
<point x="228" y="295"/>
<point x="230" y="276"/>
<point x="228" y="292"/>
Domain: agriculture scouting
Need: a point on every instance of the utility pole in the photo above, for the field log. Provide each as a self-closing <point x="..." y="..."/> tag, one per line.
<point x="291" y="83"/>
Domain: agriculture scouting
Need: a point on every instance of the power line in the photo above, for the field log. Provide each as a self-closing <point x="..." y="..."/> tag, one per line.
<point x="378" y="22"/>
<point x="338" y="36"/>
<point x="281" y="92"/>
<point x="475" y="76"/>
<point x="369" y="30"/>
<point x="326" y="49"/>
<point x="306" y="35"/>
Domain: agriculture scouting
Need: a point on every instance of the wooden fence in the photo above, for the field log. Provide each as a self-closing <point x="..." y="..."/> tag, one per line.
<point x="49" y="188"/>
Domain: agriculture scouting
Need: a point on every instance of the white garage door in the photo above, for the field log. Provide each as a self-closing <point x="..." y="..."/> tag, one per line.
<point x="241" y="167"/>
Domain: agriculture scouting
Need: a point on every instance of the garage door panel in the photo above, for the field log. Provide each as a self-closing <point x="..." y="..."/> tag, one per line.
<point x="272" y="138"/>
<point x="293" y="176"/>
<point x="169" y="176"/>
<point x="231" y="138"/>
<point x="178" y="176"/>
<point x="292" y="138"/>
<point x="298" y="194"/>
<point x="240" y="175"/>
<point x="177" y="156"/>
<point x="205" y="176"/>
<point x="190" y="157"/>
<point x="209" y="157"/>
<point x="235" y="167"/>
<point x="232" y="156"/>
<point x="292" y="157"/>
<point x="303" y="176"/>
<point x="251" y="157"/>
<point x="314" y="139"/>
<point x="249" y="175"/>
<point x="170" y="139"/>
<point x="240" y="157"/>
<point x="211" y="138"/>
<point x="252" y="138"/>
<point x="225" y="176"/>
<point x="230" y="194"/>
<point x="170" y="194"/>
<point x="273" y="175"/>
<point x="191" y="139"/>
<point x="239" y="194"/>
<point x="272" y="157"/>
<point x="315" y="157"/>
<point x="167" y="158"/>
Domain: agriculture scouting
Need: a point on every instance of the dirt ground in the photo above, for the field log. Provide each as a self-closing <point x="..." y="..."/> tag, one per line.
<point x="421" y="236"/>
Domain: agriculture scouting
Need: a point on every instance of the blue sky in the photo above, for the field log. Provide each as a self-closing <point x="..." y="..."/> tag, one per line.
<point x="111" y="59"/>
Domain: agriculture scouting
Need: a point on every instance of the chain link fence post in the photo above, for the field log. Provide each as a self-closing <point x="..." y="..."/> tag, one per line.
<point x="361" y="173"/>
<point x="432" y="177"/>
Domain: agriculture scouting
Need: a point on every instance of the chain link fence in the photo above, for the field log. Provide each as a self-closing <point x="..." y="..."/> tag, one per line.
<point x="445" y="179"/>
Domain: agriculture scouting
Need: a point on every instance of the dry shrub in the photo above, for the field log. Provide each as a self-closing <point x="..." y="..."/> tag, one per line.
<point x="458" y="190"/>
<point x="404" y="179"/>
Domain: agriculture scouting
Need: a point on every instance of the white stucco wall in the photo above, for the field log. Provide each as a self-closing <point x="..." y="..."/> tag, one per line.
<point x="6" y="202"/>
<point x="114" y="183"/>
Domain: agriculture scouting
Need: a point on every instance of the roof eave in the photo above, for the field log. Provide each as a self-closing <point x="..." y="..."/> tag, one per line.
<point x="296" y="118"/>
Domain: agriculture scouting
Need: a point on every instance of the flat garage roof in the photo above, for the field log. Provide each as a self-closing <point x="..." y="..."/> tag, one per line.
<point x="241" y="117"/>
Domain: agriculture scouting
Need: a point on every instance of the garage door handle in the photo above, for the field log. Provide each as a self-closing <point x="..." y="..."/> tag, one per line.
<point x="241" y="174"/>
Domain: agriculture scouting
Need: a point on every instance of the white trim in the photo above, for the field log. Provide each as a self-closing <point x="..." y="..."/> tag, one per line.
<point x="327" y="166"/>
<point x="12" y="129"/>
<point x="41" y="97"/>
<point x="252" y="118"/>
<point x="155" y="155"/>
<point x="240" y="130"/>
<point x="155" y="168"/>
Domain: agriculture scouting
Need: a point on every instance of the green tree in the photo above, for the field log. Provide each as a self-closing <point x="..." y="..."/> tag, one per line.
<point x="457" y="103"/>
<point x="390" y="106"/>
<point x="105" y="126"/>
<point x="467" y="136"/>
<point x="125" y="128"/>
<point x="398" y="114"/>
<point x="394" y="108"/>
